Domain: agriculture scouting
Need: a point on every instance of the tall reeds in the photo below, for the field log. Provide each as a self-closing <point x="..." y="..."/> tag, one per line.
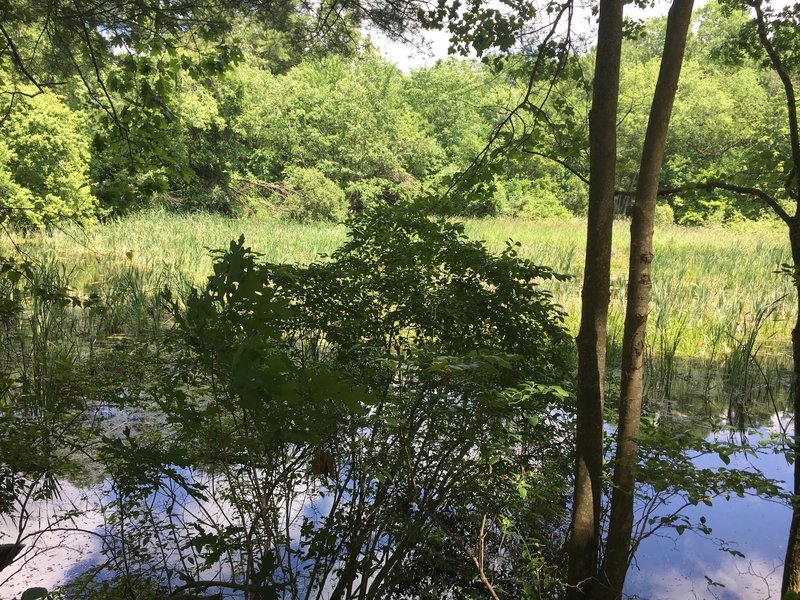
<point x="708" y="283"/>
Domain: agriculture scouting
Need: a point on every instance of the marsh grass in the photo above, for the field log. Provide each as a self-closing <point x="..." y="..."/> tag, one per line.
<point x="717" y="345"/>
<point x="710" y="285"/>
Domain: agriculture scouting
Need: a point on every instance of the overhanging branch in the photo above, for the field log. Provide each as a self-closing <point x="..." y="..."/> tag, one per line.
<point x="559" y="161"/>
<point x="508" y="120"/>
<point x="712" y="184"/>
<point x="783" y="73"/>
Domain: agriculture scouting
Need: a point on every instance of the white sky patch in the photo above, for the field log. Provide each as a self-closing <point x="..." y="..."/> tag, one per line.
<point x="431" y="46"/>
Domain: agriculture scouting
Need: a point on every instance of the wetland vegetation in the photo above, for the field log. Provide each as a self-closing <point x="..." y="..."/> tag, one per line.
<point x="98" y="342"/>
<point x="282" y="320"/>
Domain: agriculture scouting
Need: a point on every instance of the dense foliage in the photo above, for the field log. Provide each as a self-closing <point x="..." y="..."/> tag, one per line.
<point x="44" y="164"/>
<point x="275" y="374"/>
<point x="375" y="422"/>
<point x="344" y="129"/>
<point x="390" y="421"/>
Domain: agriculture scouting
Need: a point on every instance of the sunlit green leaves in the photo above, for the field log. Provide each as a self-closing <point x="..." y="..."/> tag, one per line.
<point x="380" y="377"/>
<point x="44" y="163"/>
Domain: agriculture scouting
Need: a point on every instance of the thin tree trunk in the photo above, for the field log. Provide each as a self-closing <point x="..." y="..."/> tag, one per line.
<point x="618" y="544"/>
<point x="791" y="567"/>
<point x="585" y="528"/>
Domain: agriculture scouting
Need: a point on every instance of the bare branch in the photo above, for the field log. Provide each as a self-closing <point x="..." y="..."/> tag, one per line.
<point x="712" y="184"/>
<point x="561" y="162"/>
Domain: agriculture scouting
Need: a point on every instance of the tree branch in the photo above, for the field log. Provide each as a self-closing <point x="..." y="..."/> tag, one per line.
<point x="525" y="102"/>
<point x="712" y="184"/>
<point x="561" y="162"/>
<point x="17" y="60"/>
<point x="788" y="87"/>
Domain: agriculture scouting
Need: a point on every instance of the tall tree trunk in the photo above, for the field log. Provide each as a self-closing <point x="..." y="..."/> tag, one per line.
<point x="585" y="528"/>
<point x="791" y="566"/>
<point x="618" y="544"/>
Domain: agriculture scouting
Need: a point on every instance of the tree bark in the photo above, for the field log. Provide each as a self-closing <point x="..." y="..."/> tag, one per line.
<point x="585" y="528"/>
<point x="791" y="566"/>
<point x="618" y="544"/>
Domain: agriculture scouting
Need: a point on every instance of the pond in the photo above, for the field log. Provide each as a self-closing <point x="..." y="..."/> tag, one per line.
<point x="56" y="550"/>
<point x="743" y="557"/>
<point x="741" y="560"/>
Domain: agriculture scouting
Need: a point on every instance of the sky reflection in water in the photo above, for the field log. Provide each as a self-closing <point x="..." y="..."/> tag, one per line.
<point x="677" y="567"/>
<point x="667" y="568"/>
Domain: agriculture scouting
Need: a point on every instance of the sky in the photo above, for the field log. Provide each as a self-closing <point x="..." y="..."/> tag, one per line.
<point x="433" y="44"/>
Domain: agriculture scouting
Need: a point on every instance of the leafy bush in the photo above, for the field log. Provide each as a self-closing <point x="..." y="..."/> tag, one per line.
<point x="532" y="199"/>
<point x="377" y="192"/>
<point x="369" y="394"/>
<point x="573" y="194"/>
<point x="312" y="196"/>
<point x="201" y="197"/>
<point x="120" y="191"/>
<point x="44" y="164"/>
<point x="703" y="208"/>
<point x="664" y="214"/>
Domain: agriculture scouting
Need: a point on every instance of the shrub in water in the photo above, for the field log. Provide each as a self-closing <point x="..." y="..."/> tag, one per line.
<point x="358" y="414"/>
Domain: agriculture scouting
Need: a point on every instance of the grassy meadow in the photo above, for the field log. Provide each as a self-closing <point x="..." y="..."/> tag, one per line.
<point x="717" y="298"/>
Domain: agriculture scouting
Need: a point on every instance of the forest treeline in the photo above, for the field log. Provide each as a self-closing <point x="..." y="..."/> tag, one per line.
<point x="315" y="132"/>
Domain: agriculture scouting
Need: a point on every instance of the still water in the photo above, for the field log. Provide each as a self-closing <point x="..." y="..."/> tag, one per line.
<point x="668" y="567"/>
<point x="693" y="566"/>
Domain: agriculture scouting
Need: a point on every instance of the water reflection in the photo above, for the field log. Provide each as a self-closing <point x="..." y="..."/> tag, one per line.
<point x="668" y="566"/>
<point x="695" y="566"/>
<point x="61" y="538"/>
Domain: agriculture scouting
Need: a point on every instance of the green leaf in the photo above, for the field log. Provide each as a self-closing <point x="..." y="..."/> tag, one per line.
<point x="34" y="593"/>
